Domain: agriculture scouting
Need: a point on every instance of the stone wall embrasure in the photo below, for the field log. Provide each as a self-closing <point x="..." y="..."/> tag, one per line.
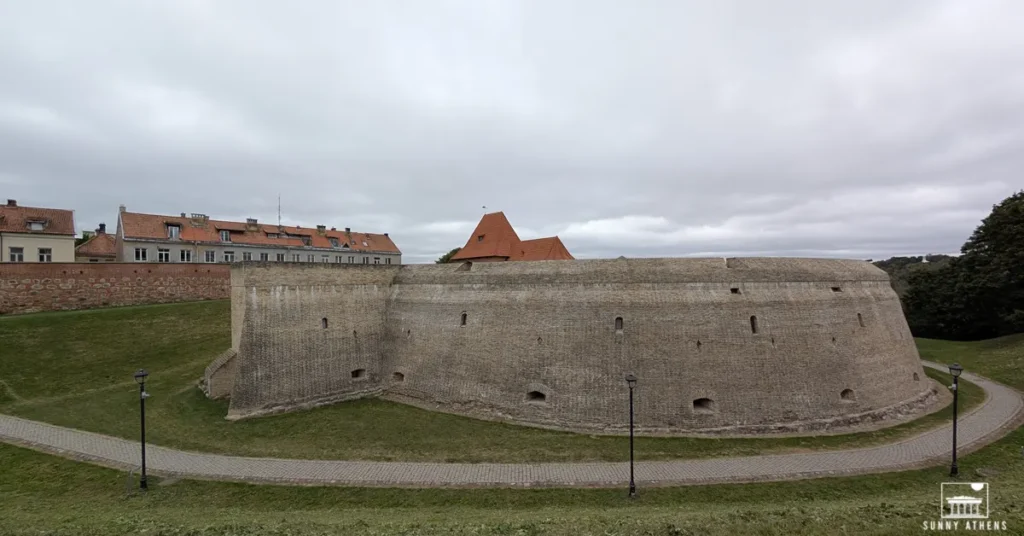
<point x="35" y="287"/>
<point x="540" y="344"/>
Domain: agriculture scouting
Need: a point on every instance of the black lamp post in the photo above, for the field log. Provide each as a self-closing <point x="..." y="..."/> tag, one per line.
<point x="955" y="369"/>
<point x="631" y="381"/>
<point x="140" y="378"/>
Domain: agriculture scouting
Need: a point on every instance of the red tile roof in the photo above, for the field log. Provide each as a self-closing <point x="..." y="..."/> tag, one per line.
<point x="16" y="219"/>
<point x="495" y="237"/>
<point x="154" y="227"/>
<point x="99" y="245"/>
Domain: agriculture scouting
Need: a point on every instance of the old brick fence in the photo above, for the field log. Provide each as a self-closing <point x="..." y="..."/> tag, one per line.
<point x="33" y="287"/>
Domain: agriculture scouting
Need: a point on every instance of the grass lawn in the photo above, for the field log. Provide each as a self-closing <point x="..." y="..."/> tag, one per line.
<point x="75" y="368"/>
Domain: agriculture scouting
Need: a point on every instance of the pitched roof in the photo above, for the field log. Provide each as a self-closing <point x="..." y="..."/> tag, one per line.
<point x="543" y="249"/>
<point x="56" y="221"/>
<point x="154" y="227"/>
<point x="495" y="237"/>
<point x="98" y="245"/>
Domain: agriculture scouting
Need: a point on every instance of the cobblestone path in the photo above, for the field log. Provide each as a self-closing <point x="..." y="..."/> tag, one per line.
<point x="1003" y="408"/>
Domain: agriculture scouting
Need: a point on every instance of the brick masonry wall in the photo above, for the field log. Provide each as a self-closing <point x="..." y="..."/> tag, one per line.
<point x="34" y="287"/>
<point x="540" y="343"/>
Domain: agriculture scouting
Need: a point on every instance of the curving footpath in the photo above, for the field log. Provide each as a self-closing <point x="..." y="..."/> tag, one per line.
<point x="1001" y="412"/>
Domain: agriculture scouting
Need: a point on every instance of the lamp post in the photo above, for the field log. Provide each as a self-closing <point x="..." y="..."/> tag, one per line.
<point x="140" y="378"/>
<point x="955" y="369"/>
<point x="631" y="381"/>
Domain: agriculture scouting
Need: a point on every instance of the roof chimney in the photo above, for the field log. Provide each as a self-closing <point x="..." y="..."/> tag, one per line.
<point x="385" y="234"/>
<point x="321" y="229"/>
<point x="102" y="229"/>
<point x="12" y="203"/>
<point x="250" y="224"/>
<point x="121" y="208"/>
<point x="348" y="230"/>
<point x="182" y="214"/>
<point x="334" y="229"/>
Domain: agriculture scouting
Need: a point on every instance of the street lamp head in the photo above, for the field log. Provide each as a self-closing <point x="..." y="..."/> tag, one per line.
<point x="631" y="380"/>
<point x="955" y="369"/>
<point x="140" y="376"/>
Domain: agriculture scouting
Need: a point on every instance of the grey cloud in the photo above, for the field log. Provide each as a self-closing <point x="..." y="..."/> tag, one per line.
<point x="860" y="129"/>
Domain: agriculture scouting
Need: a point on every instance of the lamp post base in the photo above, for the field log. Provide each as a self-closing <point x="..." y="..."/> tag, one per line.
<point x="954" y="470"/>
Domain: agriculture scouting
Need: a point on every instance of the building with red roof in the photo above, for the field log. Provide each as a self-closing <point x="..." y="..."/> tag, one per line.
<point x="33" y="234"/>
<point x="100" y="247"/>
<point x="494" y="240"/>
<point x="197" y="238"/>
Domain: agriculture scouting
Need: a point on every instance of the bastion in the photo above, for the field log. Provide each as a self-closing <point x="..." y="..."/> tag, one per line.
<point x="719" y="346"/>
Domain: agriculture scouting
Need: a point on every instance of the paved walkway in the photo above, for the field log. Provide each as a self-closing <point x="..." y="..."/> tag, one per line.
<point x="1003" y="408"/>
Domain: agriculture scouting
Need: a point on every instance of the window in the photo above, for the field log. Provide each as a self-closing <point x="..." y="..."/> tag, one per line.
<point x="916" y="377"/>
<point x="480" y="238"/>
<point x="703" y="405"/>
<point x="618" y="324"/>
<point x="847" y="395"/>
<point x="229" y="256"/>
<point x="735" y="290"/>
<point x="837" y="289"/>
<point x="860" y="320"/>
<point x="35" y="226"/>
<point x="536" y="396"/>
<point x="141" y="255"/>
<point x="753" y="324"/>
<point x="225" y="236"/>
<point x="359" y="373"/>
<point x="210" y="256"/>
<point x="323" y="322"/>
<point x="366" y="260"/>
<point x="398" y="377"/>
<point x="186" y="255"/>
<point x="295" y="257"/>
<point x="310" y="258"/>
<point x="365" y="244"/>
<point x="17" y="254"/>
<point x="337" y="259"/>
<point x="272" y="235"/>
<point x="387" y="260"/>
<point x="334" y="242"/>
<point x="325" y="258"/>
<point x="45" y="255"/>
<point x="463" y="321"/>
<point x="344" y="246"/>
<point x="280" y="257"/>
<point x="97" y="260"/>
<point x="163" y="255"/>
<point x="264" y="256"/>
<point x="376" y="260"/>
<point x="246" y="256"/>
<point x="173" y="231"/>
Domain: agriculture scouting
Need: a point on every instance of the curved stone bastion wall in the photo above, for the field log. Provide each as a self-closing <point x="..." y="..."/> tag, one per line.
<point x="748" y="345"/>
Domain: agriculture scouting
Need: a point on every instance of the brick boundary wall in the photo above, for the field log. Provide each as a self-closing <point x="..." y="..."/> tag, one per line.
<point x="35" y="287"/>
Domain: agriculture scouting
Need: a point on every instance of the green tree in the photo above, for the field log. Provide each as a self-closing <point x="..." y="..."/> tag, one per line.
<point x="981" y="293"/>
<point x="447" y="256"/>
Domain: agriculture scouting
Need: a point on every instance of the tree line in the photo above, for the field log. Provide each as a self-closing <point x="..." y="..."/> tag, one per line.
<point x="976" y="295"/>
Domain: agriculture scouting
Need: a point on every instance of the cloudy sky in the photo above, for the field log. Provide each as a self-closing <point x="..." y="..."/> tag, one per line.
<point x="852" y="129"/>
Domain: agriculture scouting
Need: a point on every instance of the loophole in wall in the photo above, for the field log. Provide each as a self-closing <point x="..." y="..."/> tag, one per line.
<point x="916" y="377"/>
<point x="359" y="373"/>
<point x="398" y="377"/>
<point x="703" y="405"/>
<point x="848" y="395"/>
<point x="536" y="396"/>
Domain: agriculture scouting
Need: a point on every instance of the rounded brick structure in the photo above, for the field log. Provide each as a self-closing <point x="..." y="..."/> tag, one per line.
<point x="719" y="346"/>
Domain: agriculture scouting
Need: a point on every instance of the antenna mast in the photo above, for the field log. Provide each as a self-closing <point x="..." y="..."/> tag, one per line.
<point x="278" y="210"/>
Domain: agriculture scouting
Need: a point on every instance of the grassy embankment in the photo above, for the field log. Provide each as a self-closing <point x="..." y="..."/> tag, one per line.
<point x="75" y="369"/>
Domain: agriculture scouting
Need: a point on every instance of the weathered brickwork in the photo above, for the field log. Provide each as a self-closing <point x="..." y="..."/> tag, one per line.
<point x="29" y="288"/>
<point x="541" y="343"/>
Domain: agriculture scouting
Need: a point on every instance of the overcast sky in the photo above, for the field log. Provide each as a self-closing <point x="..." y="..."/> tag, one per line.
<point x="708" y="128"/>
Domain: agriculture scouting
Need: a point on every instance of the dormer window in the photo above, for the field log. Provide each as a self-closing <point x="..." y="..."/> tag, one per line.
<point x="225" y="236"/>
<point x="334" y="242"/>
<point x="479" y="238"/>
<point x="36" y="225"/>
<point x="365" y="244"/>
<point x="272" y="235"/>
<point x="344" y="246"/>
<point x="173" y="231"/>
